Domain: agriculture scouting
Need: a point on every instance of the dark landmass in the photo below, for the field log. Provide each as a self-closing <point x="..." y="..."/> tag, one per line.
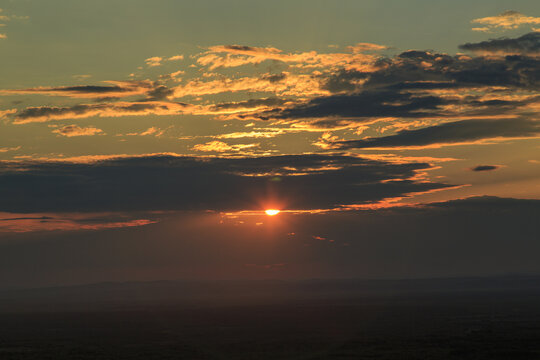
<point x="461" y="318"/>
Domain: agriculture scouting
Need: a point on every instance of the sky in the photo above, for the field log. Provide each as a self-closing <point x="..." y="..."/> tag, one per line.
<point x="145" y="140"/>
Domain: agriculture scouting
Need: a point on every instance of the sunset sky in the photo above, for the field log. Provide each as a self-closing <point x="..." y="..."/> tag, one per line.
<point x="144" y="140"/>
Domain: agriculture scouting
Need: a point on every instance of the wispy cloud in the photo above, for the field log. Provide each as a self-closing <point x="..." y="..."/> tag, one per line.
<point x="5" y="18"/>
<point x="221" y="147"/>
<point x="154" y="61"/>
<point x="507" y="20"/>
<point x="6" y="149"/>
<point x="238" y="55"/>
<point x="117" y="89"/>
<point x="24" y="223"/>
<point x="74" y="130"/>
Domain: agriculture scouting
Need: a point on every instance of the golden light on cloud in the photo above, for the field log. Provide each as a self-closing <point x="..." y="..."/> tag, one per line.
<point x="272" y="212"/>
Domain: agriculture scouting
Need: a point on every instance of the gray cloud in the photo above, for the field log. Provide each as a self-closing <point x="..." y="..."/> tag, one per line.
<point x="485" y="168"/>
<point x="528" y="44"/>
<point x="362" y="105"/>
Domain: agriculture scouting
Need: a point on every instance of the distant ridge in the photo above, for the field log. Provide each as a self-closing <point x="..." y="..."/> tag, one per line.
<point x="130" y="295"/>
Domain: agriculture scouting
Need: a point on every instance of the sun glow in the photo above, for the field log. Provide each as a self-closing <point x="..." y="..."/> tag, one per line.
<point x="271" y="212"/>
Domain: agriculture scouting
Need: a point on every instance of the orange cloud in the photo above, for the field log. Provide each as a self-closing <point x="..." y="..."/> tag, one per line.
<point x="361" y="47"/>
<point x="153" y="61"/>
<point x="285" y="84"/>
<point x="6" y="149"/>
<point x="252" y="134"/>
<point x="5" y="113"/>
<point x="157" y="132"/>
<point x="237" y="55"/>
<point x="220" y="146"/>
<point x="74" y="130"/>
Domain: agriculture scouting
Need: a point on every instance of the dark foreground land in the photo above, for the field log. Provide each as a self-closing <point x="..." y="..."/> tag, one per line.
<point x="420" y="319"/>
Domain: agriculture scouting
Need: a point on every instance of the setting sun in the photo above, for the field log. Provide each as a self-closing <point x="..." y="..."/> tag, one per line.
<point x="271" y="212"/>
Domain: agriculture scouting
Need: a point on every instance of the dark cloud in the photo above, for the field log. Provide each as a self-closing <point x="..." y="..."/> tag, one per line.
<point x="485" y="168"/>
<point x="187" y="183"/>
<point x="117" y="89"/>
<point x="452" y="132"/>
<point x="85" y="89"/>
<point x="481" y="203"/>
<point x="528" y="44"/>
<point x="274" y="78"/>
<point x="28" y="218"/>
<point x="159" y="92"/>
<point x="363" y="105"/>
<point x="241" y="48"/>
<point x="48" y="113"/>
<point x="402" y="87"/>
<point x="425" y="70"/>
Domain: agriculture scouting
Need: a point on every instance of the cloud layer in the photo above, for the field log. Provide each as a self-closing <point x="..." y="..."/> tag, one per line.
<point x="187" y="183"/>
<point x="452" y="133"/>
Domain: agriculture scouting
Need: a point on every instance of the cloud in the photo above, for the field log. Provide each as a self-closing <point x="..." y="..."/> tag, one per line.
<point x="424" y="70"/>
<point x="158" y="60"/>
<point x="507" y="20"/>
<point x="159" y="92"/>
<point x="172" y="76"/>
<point x="5" y="113"/>
<point x="175" y="58"/>
<point x="362" y="105"/>
<point x="485" y="168"/>
<point x="238" y="55"/>
<point x="6" y="149"/>
<point x="421" y="84"/>
<point x="413" y="84"/>
<point x="528" y="44"/>
<point x="249" y="104"/>
<point x="452" y="133"/>
<point x="22" y="223"/>
<point x="258" y="133"/>
<point x="154" y="61"/>
<point x="362" y="47"/>
<point x="74" y="130"/>
<point x="221" y="147"/>
<point x="118" y="89"/>
<point x="82" y="76"/>
<point x="152" y="131"/>
<point x="205" y="183"/>
<point x="280" y="84"/>
<point x="9" y="18"/>
<point x="47" y="113"/>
